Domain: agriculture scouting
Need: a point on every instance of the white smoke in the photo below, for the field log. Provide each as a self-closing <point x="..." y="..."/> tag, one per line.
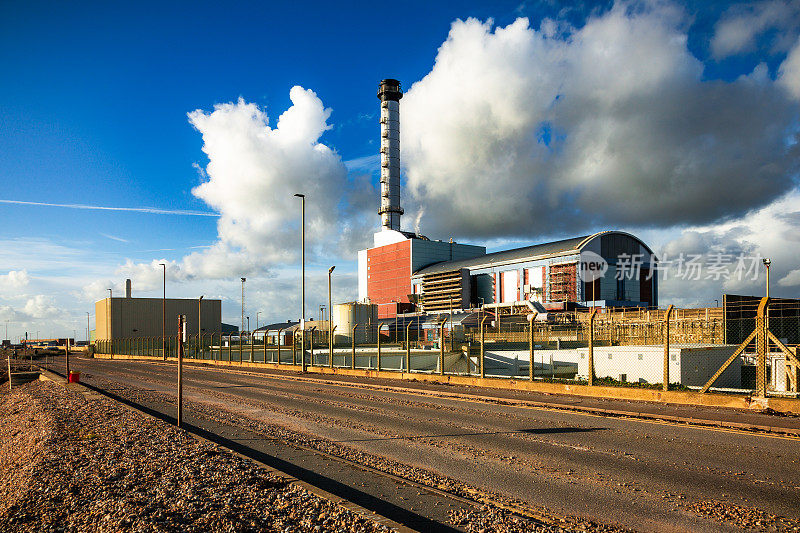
<point x="418" y="221"/>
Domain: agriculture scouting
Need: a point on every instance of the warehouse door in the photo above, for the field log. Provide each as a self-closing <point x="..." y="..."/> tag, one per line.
<point x="510" y="286"/>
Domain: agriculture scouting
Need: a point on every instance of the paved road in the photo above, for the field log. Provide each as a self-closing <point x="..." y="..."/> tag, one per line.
<point x="637" y="474"/>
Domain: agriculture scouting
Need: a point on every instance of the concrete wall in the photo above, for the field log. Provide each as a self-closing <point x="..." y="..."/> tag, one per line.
<point x="141" y="317"/>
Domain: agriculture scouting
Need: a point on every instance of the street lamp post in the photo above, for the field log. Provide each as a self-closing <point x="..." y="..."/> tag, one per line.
<point x="199" y="328"/>
<point x="767" y="262"/>
<point x="164" y="314"/>
<point x="243" y="280"/>
<point x="303" y="279"/>
<point x="110" y="325"/>
<point x="330" y="316"/>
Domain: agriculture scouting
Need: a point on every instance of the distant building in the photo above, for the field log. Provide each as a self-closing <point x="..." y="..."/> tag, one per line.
<point x="228" y="329"/>
<point x="129" y="317"/>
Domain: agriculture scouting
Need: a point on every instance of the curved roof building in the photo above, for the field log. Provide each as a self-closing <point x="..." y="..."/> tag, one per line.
<point x="608" y="268"/>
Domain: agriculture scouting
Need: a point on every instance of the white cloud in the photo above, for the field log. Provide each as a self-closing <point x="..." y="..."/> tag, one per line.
<point x="792" y="279"/>
<point x="253" y="172"/>
<point x="41" y="306"/>
<point x="789" y="72"/>
<point x="739" y="29"/>
<point x="12" y="282"/>
<point x="771" y="231"/>
<point x="610" y="124"/>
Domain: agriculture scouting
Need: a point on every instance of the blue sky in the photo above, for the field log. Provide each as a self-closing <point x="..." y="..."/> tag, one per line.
<point x="95" y="98"/>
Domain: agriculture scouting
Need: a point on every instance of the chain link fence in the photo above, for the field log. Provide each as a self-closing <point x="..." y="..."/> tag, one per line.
<point x="683" y="348"/>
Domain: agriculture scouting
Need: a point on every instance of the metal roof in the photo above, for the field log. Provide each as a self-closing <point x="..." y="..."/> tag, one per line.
<point x="277" y="326"/>
<point x="432" y="321"/>
<point x="517" y="254"/>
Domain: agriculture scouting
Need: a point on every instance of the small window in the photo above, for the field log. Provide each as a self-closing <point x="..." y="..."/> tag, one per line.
<point x="641" y="357"/>
<point x="610" y="356"/>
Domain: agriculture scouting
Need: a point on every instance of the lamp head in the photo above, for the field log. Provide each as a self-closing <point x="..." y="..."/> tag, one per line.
<point x="300" y="195"/>
<point x="331" y="269"/>
<point x="767" y="262"/>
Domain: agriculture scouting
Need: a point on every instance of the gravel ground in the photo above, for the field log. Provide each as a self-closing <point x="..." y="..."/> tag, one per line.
<point x="744" y="517"/>
<point x="487" y="518"/>
<point x="72" y="464"/>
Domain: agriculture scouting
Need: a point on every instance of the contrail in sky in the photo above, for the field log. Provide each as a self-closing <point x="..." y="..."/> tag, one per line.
<point x="151" y="210"/>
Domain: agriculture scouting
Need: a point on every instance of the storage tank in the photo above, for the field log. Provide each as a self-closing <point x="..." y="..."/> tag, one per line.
<point x="347" y="315"/>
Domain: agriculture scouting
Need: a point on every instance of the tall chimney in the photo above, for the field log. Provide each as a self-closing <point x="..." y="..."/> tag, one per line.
<point x="128" y="288"/>
<point x="390" y="210"/>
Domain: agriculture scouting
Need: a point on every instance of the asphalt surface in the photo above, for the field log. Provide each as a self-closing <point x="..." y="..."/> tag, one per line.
<point x="642" y="475"/>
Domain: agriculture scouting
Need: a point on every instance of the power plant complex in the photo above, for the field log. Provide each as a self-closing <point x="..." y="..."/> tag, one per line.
<point x="405" y="271"/>
<point x="436" y="306"/>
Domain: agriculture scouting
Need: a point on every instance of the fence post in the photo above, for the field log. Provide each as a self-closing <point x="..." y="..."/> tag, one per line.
<point x="761" y="348"/>
<point x="531" y="370"/>
<point x="312" y="344"/>
<point x="252" y="346"/>
<point x="278" y="360"/>
<point x="666" y="348"/>
<point x="408" y="347"/>
<point x="379" y="347"/>
<point x="332" y="336"/>
<point x="303" y="348"/>
<point x="353" y="356"/>
<point x="66" y="360"/>
<point x="483" y="342"/>
<point x="441" y="347"/>
<point x="591" y="347"/>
